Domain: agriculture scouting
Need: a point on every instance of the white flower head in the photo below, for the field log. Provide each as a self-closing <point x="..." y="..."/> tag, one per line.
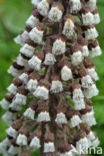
<point x="95" y="142"/>
<point x="20" y="99"/>
<point x="49" y="147"/>
<point x="76" y="58"/>
<point x="61" y="118"/>
<point x="55" y="14"/>
<point x="75" y="121"/>
<point x="75" y="5"/>
<point x="78" y="99"/>
<point x="49" y="59"/>
<point x="15" y="106"/>
<point x="91" y="136"/>
<point x="92" y="72"/>
<point x="4" y="104"/>
<point x="20" y="39"/>
<point x="91" y="33"/>
<point x="85" y="51"/>
<point x="32" y="85"/>
<point x="27" y="50"/>
<point x="68" y="29"/>
<point x="21" y="140"/>
<point x="8" y="117"/>
<point x="89" y="118"/>
<point x="59" y="47"/>
<point x="82" y="145"/>
<point x="35" y="63"/>
<point x="24" y="78"/>
<point x="95" y="51"/>
<point x="86" y="81"/>
<point x="92" y="4"/>
<point x="36" y="35"/>
<point x="12" y="89"/>
<point x="4" y="146"/>
<point x="42" y="92"/>
<point x="96" y="18"/>
<point x="87" y="19"/>
<point x="14" y="72"/>
<point x="13" y="150"/>
<point x="80" y="104"/>
<point x="43" y="7"/>
<point x="56" y="86"/>
<point x="43" y="116"/>
<point x="77" y="94"/>
<point x="91" y="91"/>
<point x="32" y="21"/>
<point x="29" y="113"/>
<point x="11" y="132"/>
<point x="66" y="73"/>
<point x="22" y="61"/>
<point x="35" y="142"/>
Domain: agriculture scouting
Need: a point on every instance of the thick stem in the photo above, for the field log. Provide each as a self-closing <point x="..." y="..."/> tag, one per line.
<point x="42" y="139"/>
<point x="55" y="31"/>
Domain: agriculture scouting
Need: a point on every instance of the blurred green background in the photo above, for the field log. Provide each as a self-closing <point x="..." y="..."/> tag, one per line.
<point x="13" y="14"/>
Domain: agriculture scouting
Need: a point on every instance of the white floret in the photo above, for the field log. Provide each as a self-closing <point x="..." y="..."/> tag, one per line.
<point x="87" y="19"/>
<point x="42" y="92"/>
<point x="36" y="35"/>
<point x="59" y="47"/>
<point x="35" y="63"/>
<point x="27" y="50"/>
<point x="76" y="58"/>
<point x="55" y="14"/>
<point x="32" y="21"/>
<point x="43" y="116"/>
<point x="66" y="73"/>
<point x="91" y="33"/>
<point x="43" y="7"/>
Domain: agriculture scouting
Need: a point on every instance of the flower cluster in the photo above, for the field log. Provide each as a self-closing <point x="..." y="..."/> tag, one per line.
<point x="54" y="69"/>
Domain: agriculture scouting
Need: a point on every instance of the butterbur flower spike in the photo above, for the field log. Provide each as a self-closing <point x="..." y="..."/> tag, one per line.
<point x="48" y="102"/>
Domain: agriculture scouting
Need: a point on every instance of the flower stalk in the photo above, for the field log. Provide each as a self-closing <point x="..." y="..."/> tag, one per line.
<point x="54" y="69"/>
